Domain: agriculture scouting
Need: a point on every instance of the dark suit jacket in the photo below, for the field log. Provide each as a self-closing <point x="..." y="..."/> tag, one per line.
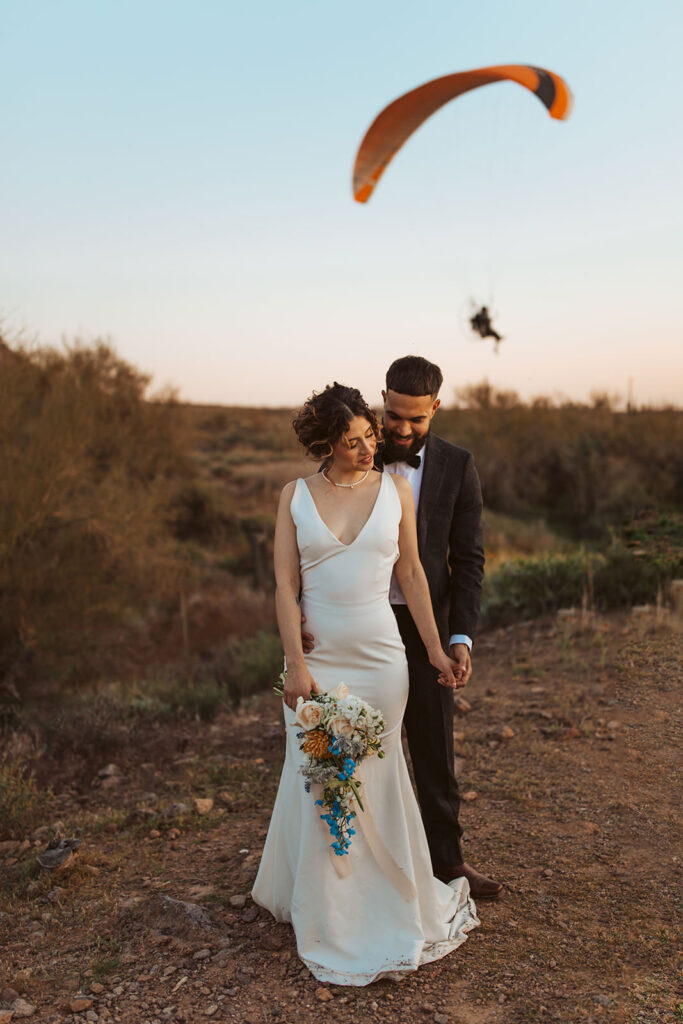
<point x="449" y="535"/>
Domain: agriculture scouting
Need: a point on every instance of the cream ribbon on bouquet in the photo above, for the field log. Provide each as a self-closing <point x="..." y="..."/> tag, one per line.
<point x="385" y="859"/>
<point x="332" y="719"/>
<point x="380" y="851"/>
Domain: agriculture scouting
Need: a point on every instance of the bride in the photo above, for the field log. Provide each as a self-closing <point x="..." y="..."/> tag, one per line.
<point x="339" y="535"/>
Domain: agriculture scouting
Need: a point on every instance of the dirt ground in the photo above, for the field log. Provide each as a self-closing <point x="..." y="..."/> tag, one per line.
<point x="574" y="812"/>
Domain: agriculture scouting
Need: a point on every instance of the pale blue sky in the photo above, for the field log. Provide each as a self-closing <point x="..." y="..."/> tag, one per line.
<point x="176" y="176"/>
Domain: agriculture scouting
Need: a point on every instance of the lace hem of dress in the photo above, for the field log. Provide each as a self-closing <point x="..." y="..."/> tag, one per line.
<point x="430" y="951"/>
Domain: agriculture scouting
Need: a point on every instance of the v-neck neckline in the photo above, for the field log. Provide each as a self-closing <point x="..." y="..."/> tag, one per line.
<point x="333" y="535"/>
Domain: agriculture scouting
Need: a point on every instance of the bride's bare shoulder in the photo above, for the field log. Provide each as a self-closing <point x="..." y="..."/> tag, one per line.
<point x="401" y="484"/>
<point x="287" y="491"/>
<point x="314" y="481"/>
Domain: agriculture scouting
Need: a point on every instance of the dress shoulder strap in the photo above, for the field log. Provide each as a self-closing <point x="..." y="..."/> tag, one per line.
<point x="392" y="492"/>
<point x="295" y="505"/>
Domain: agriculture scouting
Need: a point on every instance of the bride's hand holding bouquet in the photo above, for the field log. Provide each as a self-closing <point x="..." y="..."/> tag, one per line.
<point x="298" y="683"/>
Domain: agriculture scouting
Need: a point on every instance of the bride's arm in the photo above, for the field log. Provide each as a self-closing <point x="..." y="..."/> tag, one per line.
<point x="413" y="583"/>
<point x="298" y="680"/>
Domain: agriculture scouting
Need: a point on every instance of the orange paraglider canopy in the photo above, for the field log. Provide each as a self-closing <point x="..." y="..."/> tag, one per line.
<point x="400" y="119"/>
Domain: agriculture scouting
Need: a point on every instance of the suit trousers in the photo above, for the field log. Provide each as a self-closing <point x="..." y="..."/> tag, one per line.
<point x="428" y="722"/>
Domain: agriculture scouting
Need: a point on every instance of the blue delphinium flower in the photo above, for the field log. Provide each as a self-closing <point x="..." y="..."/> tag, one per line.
<point x="334" y="773"/>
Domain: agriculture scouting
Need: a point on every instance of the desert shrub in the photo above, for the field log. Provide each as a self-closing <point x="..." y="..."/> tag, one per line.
<point x="195" y="515"/>
<point x="657" y="534"/>
<point x="524" y="588"/>
<point x="262" y="431"/>
<point x="623" y="578"/>
<point x="113" y="717"/>
<point x="249" y="665"/>
<point x="582" y="466"/>
<point x="87" y="464"/>
<point x="97" y="722"/>
<point x="201" y="696"/>
<point x="20" y="800"/>
<point x="510" y="536"/>
<point x="223" y="679"/>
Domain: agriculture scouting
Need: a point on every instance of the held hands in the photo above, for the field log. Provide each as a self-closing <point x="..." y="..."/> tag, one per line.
<point x="450" y="673"/>
<point x="454" y="672"/>
<point x="460" y="653"/>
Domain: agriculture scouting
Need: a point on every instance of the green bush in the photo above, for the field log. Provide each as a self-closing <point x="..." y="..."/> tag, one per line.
<point x="524" y="588"/>
<point x="198" y="695"/>
<point x="237" y="671"/>
<point x="250" y="665"/>
<point x="625" y="579"/>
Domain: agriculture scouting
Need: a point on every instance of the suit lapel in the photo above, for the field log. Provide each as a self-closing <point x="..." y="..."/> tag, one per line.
<point x="432" y="474"/>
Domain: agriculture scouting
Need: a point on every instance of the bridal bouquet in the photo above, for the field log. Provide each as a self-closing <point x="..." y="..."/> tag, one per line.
<point x="338" y="731"/>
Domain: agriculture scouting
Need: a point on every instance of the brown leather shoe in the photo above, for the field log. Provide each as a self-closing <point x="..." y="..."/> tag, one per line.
<point x="481" y="887"/>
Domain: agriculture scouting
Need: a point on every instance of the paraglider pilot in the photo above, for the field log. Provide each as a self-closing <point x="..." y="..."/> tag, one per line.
<point x="481" y="324"/>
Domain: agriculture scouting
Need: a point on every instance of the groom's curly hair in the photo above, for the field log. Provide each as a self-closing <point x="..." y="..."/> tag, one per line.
<point x="325" y="417"/>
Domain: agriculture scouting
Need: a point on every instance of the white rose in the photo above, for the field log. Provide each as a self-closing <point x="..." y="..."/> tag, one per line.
<point x="340" y="692"/>
<point x="340" y="727"/>
<point x="308" y="714"/>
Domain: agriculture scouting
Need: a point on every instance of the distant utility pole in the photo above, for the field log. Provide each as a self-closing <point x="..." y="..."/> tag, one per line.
<point x="630" y="405"/>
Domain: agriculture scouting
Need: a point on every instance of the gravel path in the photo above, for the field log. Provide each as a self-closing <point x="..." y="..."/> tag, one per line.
<point x="567" y="751"/>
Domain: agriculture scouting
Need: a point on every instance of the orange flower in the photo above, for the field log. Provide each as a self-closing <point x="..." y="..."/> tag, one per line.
<point x="316" y="744"/>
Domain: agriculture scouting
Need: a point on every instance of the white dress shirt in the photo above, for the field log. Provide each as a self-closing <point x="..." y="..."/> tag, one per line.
<point x="413" y="474"/>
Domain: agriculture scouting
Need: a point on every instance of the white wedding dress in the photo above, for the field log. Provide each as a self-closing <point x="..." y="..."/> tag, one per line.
<point x="379" y="909"/>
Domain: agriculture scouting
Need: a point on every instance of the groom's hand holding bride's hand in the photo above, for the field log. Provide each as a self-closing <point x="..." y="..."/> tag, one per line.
<point x="449" y="673"/>
<point x="460" y="653"/>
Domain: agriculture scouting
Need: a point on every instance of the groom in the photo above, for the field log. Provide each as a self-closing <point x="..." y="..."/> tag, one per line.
<point x="448" y="505"/>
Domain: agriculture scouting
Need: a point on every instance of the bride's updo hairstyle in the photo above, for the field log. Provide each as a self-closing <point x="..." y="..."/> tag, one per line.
<point x="324" y="419"/>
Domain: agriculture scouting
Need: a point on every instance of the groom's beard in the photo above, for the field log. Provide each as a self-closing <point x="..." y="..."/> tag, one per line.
<point x="400" y="452"/>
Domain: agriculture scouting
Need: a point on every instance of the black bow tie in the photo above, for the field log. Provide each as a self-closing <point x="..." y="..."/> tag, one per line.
<point x="412" y="460"/>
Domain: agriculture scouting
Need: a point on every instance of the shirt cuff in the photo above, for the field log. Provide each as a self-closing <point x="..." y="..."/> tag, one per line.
<point x="460" y="638"/>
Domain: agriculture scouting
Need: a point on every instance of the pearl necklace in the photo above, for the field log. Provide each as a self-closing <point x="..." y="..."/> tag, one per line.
<point x="354" y="484"/>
